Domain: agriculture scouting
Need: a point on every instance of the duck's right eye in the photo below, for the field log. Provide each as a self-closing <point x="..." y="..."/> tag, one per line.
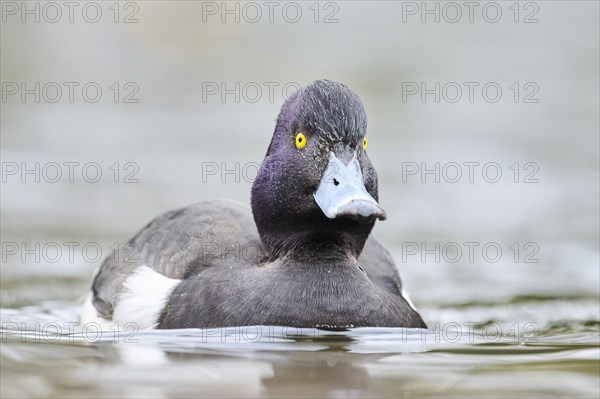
<point x="300" y="140"/>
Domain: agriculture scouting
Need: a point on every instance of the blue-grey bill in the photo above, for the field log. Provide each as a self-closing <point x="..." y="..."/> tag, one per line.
<point x="342" y="193"/>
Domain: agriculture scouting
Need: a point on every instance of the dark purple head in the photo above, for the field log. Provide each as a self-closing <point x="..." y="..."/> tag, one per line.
<point x="316" y="187"/>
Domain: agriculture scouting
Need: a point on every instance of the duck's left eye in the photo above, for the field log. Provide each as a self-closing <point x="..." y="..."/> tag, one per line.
<point x="365" y="143"/>
<point x="300" y="140"/>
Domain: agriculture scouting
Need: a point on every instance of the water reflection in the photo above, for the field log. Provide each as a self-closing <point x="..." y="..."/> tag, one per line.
<point x="185" y="363"/>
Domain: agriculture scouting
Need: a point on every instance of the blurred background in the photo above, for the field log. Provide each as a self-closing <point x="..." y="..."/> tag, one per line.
<point x="163" y="98"/>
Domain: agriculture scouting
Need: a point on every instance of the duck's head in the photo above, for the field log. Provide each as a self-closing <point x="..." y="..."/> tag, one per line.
<point x="316" y="184"/>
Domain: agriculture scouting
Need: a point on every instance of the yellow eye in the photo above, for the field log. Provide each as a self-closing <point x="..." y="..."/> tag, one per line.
<point x="300" y="140"/>
<point x="365" y="143"/>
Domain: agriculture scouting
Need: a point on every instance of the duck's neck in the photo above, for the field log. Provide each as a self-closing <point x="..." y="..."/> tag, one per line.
<point x="308" y="247"/>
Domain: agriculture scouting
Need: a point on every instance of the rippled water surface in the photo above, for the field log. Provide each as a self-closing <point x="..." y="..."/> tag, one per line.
<point x="273" y="361"/>
<point x="523" y="322"/>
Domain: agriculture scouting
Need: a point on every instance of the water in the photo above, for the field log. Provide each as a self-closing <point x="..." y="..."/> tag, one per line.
<point x="524" y="323"/>
<point x="274" y="362"/>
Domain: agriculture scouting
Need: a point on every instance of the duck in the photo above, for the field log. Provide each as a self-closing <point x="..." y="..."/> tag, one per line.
<point x="301" y="255"/>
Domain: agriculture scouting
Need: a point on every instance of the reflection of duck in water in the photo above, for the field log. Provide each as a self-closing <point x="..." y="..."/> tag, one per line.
<point x="246" y="369"/>
<point x="317" y="374"/>
<point x="314" y="204"/>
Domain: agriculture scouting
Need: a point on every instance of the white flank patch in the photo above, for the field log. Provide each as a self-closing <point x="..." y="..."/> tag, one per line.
<point x="407" y="298"/>
<point x="145" y="293"/>
<point x="89" y="315"/>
